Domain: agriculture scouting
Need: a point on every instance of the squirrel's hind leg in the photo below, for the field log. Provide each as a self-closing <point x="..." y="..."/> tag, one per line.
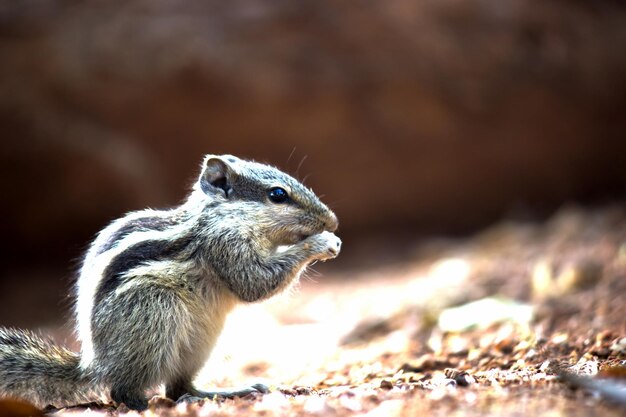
<point x="133" y="398"/>
<point x="175" y="390"/>
<point x="185" y="392"/>
<point x="136" y="341"/>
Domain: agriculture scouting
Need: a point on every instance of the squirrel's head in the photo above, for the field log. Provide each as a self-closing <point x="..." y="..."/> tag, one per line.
<point x="279" y="205"/>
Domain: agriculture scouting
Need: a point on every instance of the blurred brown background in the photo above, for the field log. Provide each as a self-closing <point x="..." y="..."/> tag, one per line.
<point x="412" y="118"/>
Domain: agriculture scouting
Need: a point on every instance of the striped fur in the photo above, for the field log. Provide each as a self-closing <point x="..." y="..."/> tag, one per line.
<point x="155" y="286"/>
<point x="34" y="368"/>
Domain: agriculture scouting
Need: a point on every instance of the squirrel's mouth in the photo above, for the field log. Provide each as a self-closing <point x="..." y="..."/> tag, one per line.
<point x="294" y="238"/>
<point x="298" y="237"/>
<point x="291" y="240"/>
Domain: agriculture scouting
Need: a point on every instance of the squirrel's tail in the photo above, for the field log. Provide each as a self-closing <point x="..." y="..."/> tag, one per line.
<point x="36" y="370"/>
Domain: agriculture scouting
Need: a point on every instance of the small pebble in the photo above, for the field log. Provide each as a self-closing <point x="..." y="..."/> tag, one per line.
<point x="385" y="384"/>
<point x="460" y="378"/>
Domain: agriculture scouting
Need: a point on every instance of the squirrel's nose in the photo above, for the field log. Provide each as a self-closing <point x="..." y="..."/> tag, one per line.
<point x="332" y="223"/>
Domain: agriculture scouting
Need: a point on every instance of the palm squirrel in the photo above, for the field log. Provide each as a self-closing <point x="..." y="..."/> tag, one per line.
<point x="155" y="287"/>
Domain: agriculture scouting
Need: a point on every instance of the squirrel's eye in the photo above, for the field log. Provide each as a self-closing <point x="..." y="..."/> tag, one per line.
<point x="278" y="195"/>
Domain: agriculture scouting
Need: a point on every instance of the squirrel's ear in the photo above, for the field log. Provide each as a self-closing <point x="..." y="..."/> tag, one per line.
<point x="217" y="176"/>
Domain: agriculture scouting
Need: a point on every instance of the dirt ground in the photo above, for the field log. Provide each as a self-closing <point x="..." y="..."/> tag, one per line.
<point x="522" y="319"/>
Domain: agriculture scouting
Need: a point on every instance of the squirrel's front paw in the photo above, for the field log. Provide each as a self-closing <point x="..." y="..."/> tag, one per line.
<point x="325" y="245"/>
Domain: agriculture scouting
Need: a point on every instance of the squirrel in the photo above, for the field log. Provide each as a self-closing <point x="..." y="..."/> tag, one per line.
<point x="155" y="287"/>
